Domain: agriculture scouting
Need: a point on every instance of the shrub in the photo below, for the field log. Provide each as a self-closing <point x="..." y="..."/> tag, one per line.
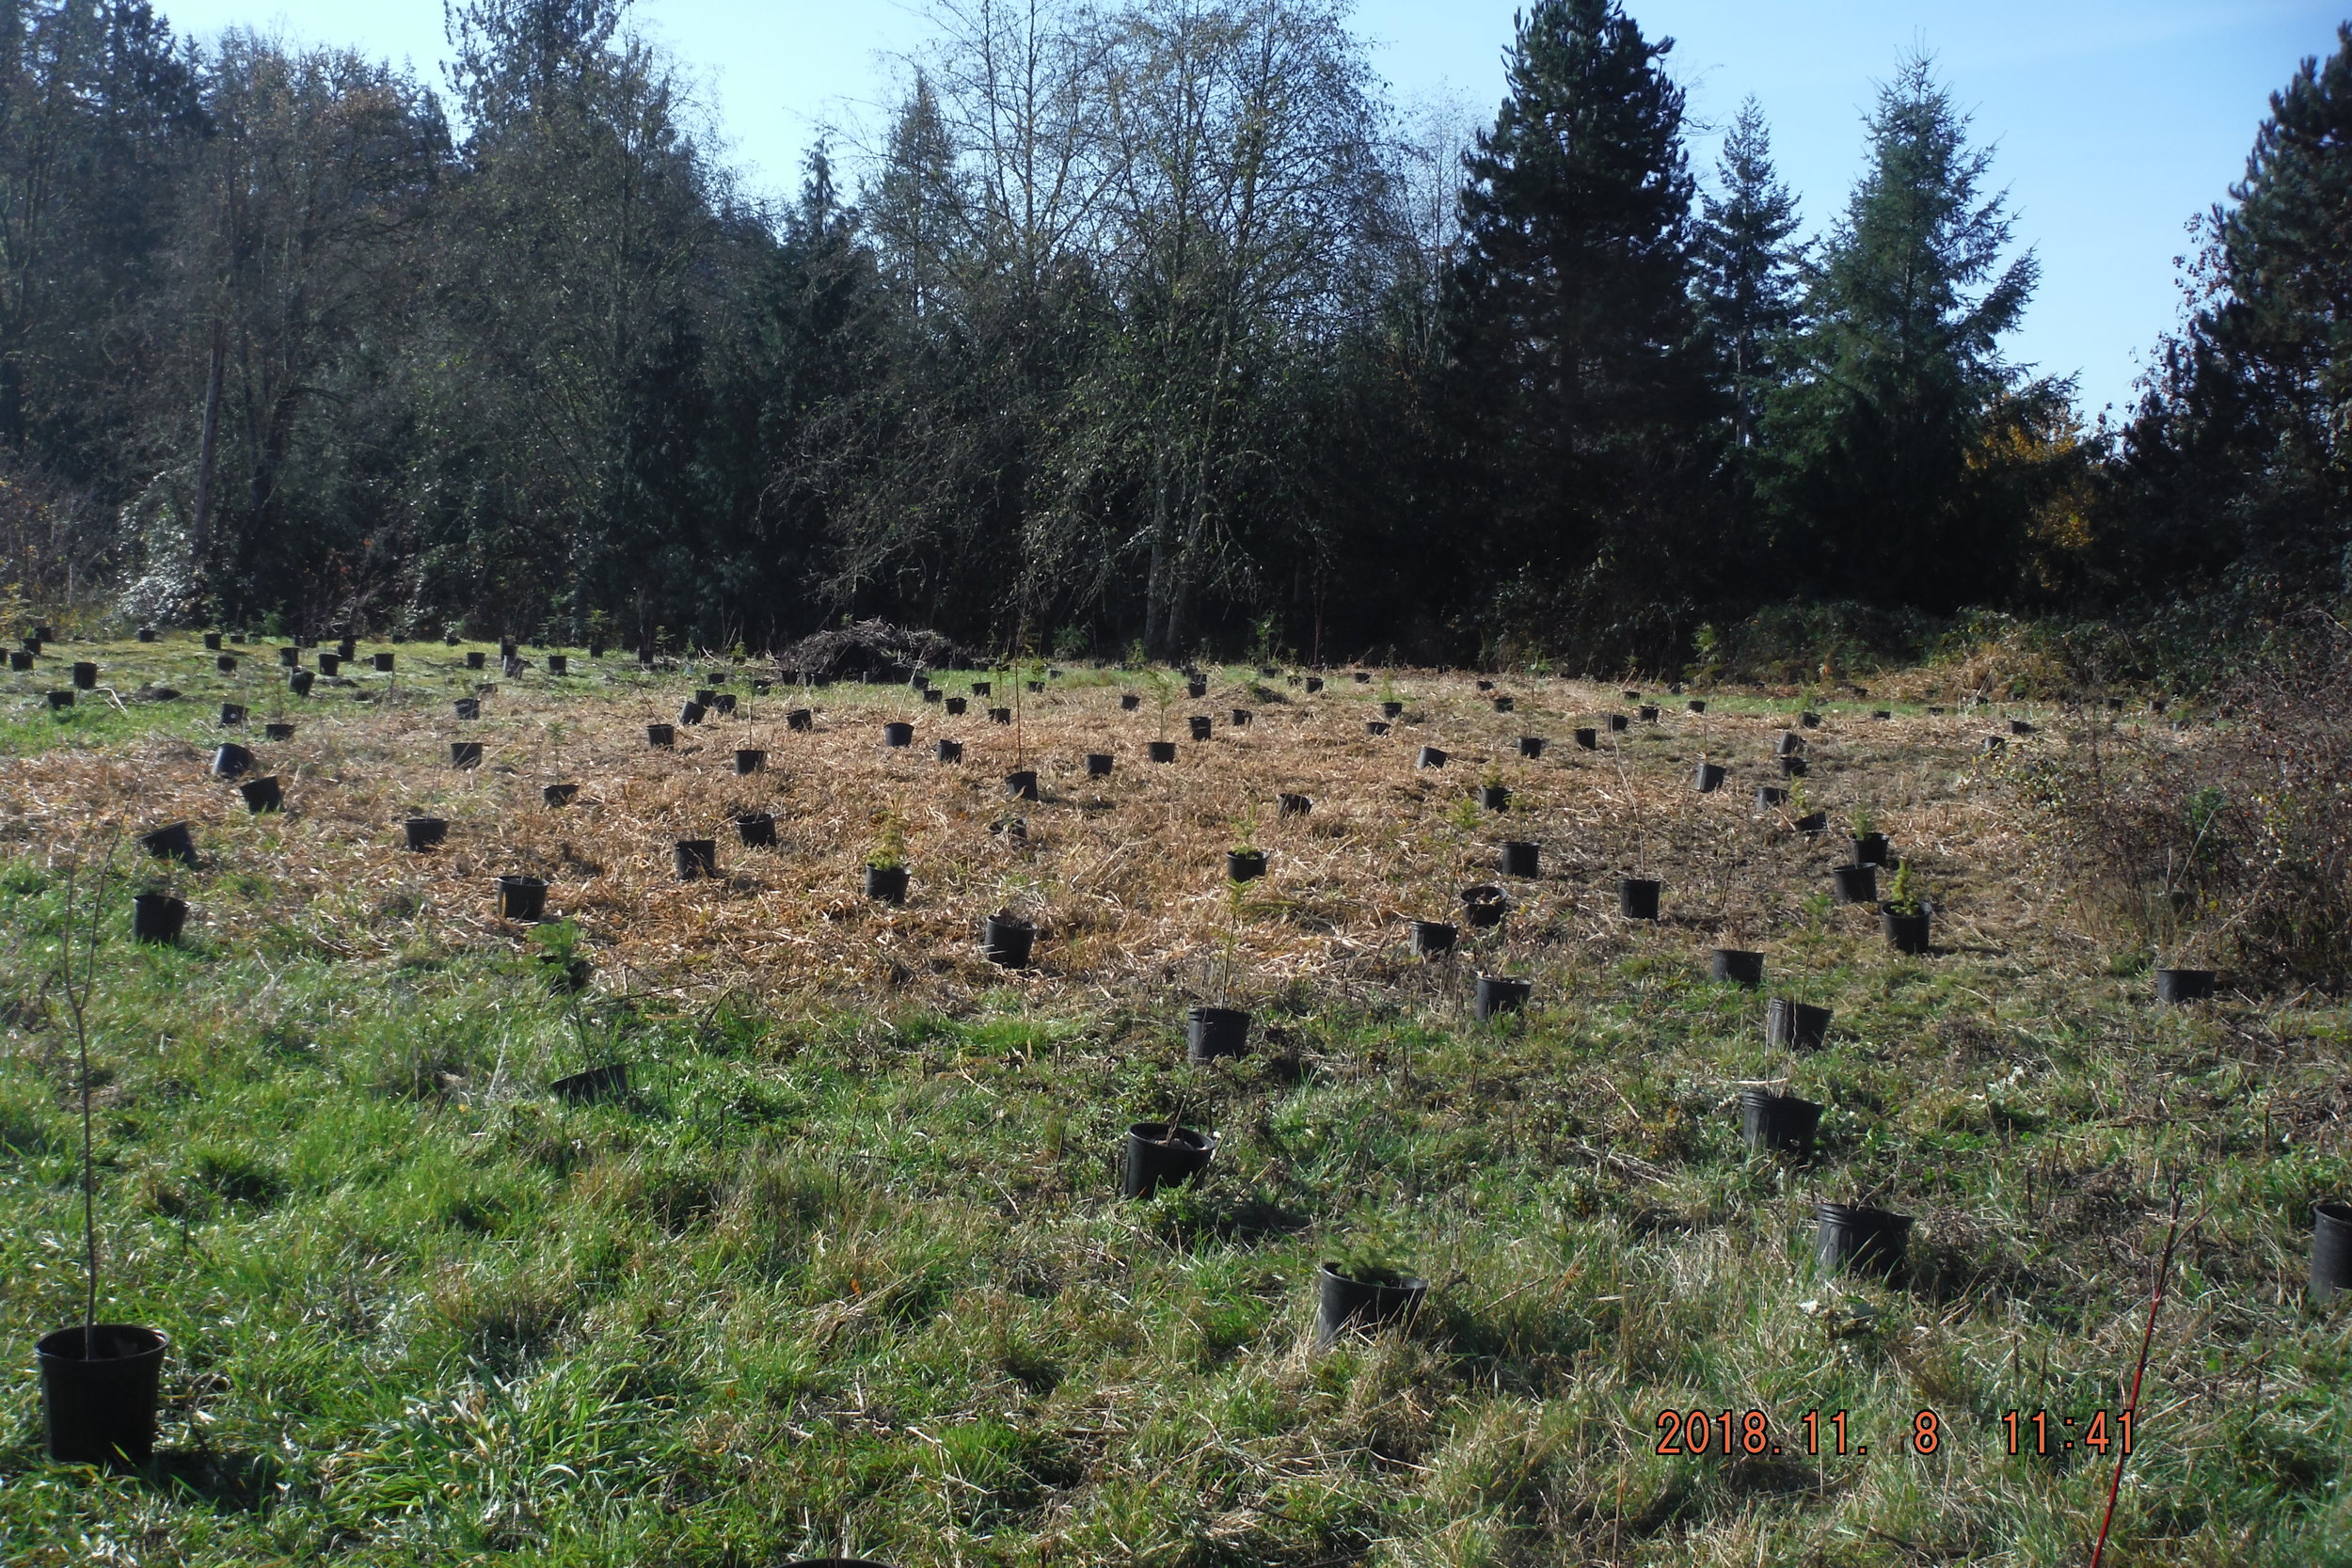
<point x="2227" y="846"/>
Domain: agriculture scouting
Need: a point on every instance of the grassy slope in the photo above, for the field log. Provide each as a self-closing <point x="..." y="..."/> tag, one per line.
<point x="859" y="1279"/>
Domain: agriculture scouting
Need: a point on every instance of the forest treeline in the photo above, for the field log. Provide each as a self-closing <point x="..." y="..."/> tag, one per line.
<point x="1144" y="323"/>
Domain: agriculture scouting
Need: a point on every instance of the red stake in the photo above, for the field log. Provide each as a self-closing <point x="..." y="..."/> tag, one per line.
<point x="2131" y="1410"/>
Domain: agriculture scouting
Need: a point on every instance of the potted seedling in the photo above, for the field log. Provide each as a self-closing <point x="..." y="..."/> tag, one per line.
<point x="559" y="944"/>
<point x="1163" y="698"/>
<point x="1869" y="845"/>
<point x="97" y="1381"/>
<point x="1365" y="1289"/>
<point x="886" y="864"/>
<point x="1907" y="913"/>
<point x="1244" y="861"/>
<point x="1637" y="894"/>
<point x="1223" y="1030"/>
<point x="607" y="1080"/>
<point x="1493" y="793"/>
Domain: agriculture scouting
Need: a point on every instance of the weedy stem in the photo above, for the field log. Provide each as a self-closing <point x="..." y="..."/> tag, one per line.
<point x="2131" y="1408"/>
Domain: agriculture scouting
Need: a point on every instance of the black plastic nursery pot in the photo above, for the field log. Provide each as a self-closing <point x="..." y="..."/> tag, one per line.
<point x="1288" y="804"/>
<point x="1483" y="906"/>
<point x="1008" y="942"/>
<point x="1870" y="850"/>
<point x="1022" y="785"/>
<point x="1792" y="767"/>
<point x="1907" y="934"/>
<point x="146" y="634"/>
<point x="1709" y="778"/>
<point x="1738" y="966"/>
<point x="1881" y="713"/>
<point x="1037" y="686"/>
<point x="1432" y="938"/>
<point x="1637" y="897"/>
<point x="300" y="682"/>
<point x="1241" y="718"/>
<point x="957" y="707"/>
<point x="233" y="713"/>
<point x="2019" y="726"/>
<point x="2177" y="986"/>
<point x="331" y="665"/>
<point x="1812" y="822"/>
<point x="263" y="794"/>
<point x="1771" y="797"/>
<point x="1995" y="745"/>
<point x="171" y="842"/>
<point x="896" y="735"/>
<point x="1810" y="720"/>
<point x="1376" y="726"/>
<point x="1361" y="677"/>
<point x="1504" y="705"/>
<point x="1429" y="756"/>
<point x="1000" y="716"/>
<point x="932" y="694"/>
<point x="465" y="754"/>
<point x="1098" y="765"/>
<point x="157" y="917"/>
<point x="346" y="649"/>
<point x="1129" y="702"/>
<point x="948" y="751"/>
<point x="62" y="699"/>
<point x="1314" y="684"/>
<point x="1531" y="745"/>
<point x="558" y="664"/>
<point x="982" y="688"/>
<point x="1779" y="1122"/>
<point x="691" y="712"/>
<point x="1520" y="858"/>
<point x="723" y="704"/>
<point x="1199" y="725"/>
<point x="1160" y="1155"/>
<point x="800" y="719"/>
<point x="1495" y="797"/>
<point x="523" y="898"/>
<point x="466" y="708"/>
<point x="1214" y="1032"/>
<point x="694" y="859"/>
<point x="1789" y="744"/>
<point x="277" y="731"/>
<point x="421" y="833"/>
<point x="755" y="830"/>
<point x="99" y="1387"/>
<point x="1647" y="712"/>
<point x="886" y="884"/>
<point x="1343" y="1300"/>
<point x="1161" y="750"/>
<point x="232" y="761"/>
<point x="1588" y="740"/>
<point x="1244" y="865"/>
<point x="1392" y="710"/>
<point x="1859" y="1240"/>
<point x="19" y="660"/>
<point x="383" y="664"/>
<point x="749" y="759"/>
<point x="226" y="664"/>
<point x="2331" y="1250"/>
<point x="1619" y="722"/>
<point x="598" y="1084"/>
<point x="1632" y="696"/>
<point x="1196" y="690"/>
<point x="290" y="657"/>
<point x="1696" y="706"/>
<point x="1857" y="884"/>
<point x="1501" y="993"/>
<point x="660" y="736"/>
<point x="1795" y="1026"/>
<point x="706" y="697"/>
<point x="212" y="642"/>
<point x="85" y="676"/>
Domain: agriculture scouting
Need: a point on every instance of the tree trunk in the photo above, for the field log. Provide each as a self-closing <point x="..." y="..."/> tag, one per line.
<point x="207" y="456"/>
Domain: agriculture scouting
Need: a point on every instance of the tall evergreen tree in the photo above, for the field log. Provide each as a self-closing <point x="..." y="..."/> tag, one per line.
<point x="1880" y="484"/>
<point x="1582" y="384"/>
<point x="1749" y="287"/>
<point x="2241" y="456"/>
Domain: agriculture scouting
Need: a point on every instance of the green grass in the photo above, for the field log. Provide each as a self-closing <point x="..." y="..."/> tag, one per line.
<point x="860" y="1281"/>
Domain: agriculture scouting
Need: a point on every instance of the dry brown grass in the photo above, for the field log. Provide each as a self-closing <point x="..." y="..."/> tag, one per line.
<point x="1124" y="875"/>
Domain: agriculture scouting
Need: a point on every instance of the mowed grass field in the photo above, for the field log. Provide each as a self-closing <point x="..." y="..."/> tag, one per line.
<point x="846" y="1272"/>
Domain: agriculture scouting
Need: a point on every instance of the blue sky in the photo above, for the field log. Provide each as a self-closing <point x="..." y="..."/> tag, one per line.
<point x="2114" y="121"/>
